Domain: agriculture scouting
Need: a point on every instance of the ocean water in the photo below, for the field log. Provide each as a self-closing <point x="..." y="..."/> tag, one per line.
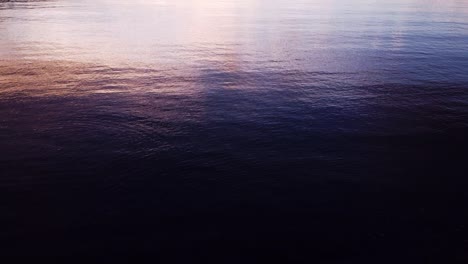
<point x="249" y="131"/>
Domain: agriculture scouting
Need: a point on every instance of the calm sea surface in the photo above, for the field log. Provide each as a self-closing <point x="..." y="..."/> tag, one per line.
<point x="245" y="131"/>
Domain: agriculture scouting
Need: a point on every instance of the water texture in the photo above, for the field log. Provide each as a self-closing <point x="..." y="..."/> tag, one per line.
<point x="244" y="131"/>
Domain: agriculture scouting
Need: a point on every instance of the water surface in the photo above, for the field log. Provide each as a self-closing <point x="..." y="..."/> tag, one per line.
<point x="243" y="131"/>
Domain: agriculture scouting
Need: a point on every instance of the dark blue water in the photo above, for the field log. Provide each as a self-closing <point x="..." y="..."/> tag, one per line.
<point x="299" y="131"/>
